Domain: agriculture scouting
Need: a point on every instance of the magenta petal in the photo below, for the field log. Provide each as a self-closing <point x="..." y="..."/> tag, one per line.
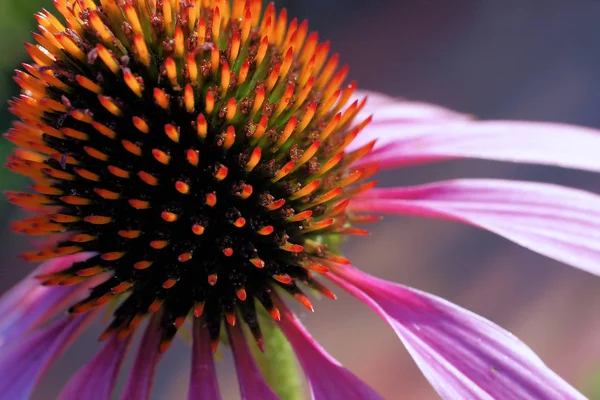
<point x="386" y="108"/>
<point x="556" y="221"/>
<point x="252" y="383"/>
<point x="203" y="380"/>
<point x="29" y="304"/>
<point x="23" y="365"/>
<point x="463" y="355"/>
<point x="328" y="379"/>
<point x="402" y="144"/>
<point x="96" y="380"/>
<point x="141" y="377"/>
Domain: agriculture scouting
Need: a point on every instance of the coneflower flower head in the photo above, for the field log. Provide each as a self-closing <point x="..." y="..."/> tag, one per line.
<point x="198" y="159"/>
<point x="197" y="148"/>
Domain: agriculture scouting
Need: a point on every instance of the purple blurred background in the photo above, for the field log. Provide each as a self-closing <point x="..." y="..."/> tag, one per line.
<point x="496" y="59"/>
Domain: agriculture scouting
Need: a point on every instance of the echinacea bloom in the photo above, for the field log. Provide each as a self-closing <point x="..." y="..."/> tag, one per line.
<point x="200" y="159"/>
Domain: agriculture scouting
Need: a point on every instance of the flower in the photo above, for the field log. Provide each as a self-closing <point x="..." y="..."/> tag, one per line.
<point x="201" y="158"/>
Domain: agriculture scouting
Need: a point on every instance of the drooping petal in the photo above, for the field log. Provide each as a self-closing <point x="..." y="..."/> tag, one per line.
<point x="386" y="108"/>
<point x="140" y="380"/>
<point x="96" y="380"/>
<point x="252" y="383"/>
<point x="203" y="379"/>
<point x="400" y="143"/>
<point x="556" y="221"/>
<point x="463" y="355"/>
<point x="29" y="304"/>
<point x="328" y="379"/>
<point x="23" y="363"/>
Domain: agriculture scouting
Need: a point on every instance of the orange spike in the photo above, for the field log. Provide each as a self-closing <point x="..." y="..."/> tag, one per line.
<point x="131" y="147"/>
<point x="231" y="109"/>
<point x="257" y="262"/>
<point x="129" y="234"/>
<point x="302" y="299"/>
<point x="171" y="69"/>
<point x="259" y="98"/>
<point x="262" y="50"/>
<point x="265" y="230"/>
<point x="169" y="216"/>
<point x="284" y="171"/>
<point x="182" y="187"/>
<point x="90" y="271"/>
<point x="332" y="162"/>
<point x="229" y="137"/>
<point x="75" y="200"/>
<point x="179" y="42"/>
<point x="211" y="199"/>
<point x="81" y="238"/>
<point x="198" y="310"/>
<point x="147" y="178"/>
<point x="275" y="314"/>
<point x="132" y="82"/>
<point x="172" y="132"/>
<point x="188" y="97"/>
<point x="241" y="294"/>
<point x="198" y="229"/>
<point x="161" y="156"/>
<point x="139" y="204"/>
<point x="184" y="257"/>
<point x="84" y="173"/>
<point x="141" y="50"/>
<point x="285" y="279"/>
<point x="326" y="223"/>
<point x="300" y="216"/>
<point x="221" y="172"/>
<point x="121" y="287"/>
<point x="243" y="74"/>
<point x="110" y="105"/>
<point x="192" y="69"/>
<point x="107" y="58"/>
<point x="107" y="194"/>
<point x="159" y="244"/>
<point x="230" y="317"/>
<point x="169" y="283"/>
<point x="201" y="126"/>
<point x="332" y="194"/>
<point x="245" y="192"/>
<point x="142" y="264"/>
<point x="212" y="279"/>
<point x="161" y="98"/>
<point x="155" y="306"/>
<point x="118" y="172"/>
<point x="109" y="133"/>
<point x="277" y="204"/>
<point x="240" y="222"/>
<point x="63" y="218"/>
<point x="214" y="60"/>
<point x="306" y="190"/>
<point x="98" y="220"/>
<point x="95" y="153"/>
<point x="254" y="159"/>
<point x="225" y="78"/>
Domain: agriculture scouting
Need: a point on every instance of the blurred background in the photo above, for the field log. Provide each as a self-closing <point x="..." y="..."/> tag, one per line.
<point x="535" y="60"/>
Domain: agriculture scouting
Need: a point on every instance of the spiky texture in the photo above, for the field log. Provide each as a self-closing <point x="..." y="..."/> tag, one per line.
<point x="196" y="147"/>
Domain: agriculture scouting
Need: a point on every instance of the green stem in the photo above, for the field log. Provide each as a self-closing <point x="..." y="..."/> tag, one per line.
<point x="278" y="363"/>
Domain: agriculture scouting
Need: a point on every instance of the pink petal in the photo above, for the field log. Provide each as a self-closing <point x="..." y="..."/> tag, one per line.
<point x="96" y="380"/>
<point x="252" y="383"/>
<point x="140" y="380"/>
<point x="463" y="355"/>
<point x="203" y="380"/>
<point x="387" y="108"/>
<point x="24" y="363"/>
<point x="328" y="379"/>
<point x="29" y="304"/>
<point x="556" y="221"/>
<point x="421" y="142"/>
